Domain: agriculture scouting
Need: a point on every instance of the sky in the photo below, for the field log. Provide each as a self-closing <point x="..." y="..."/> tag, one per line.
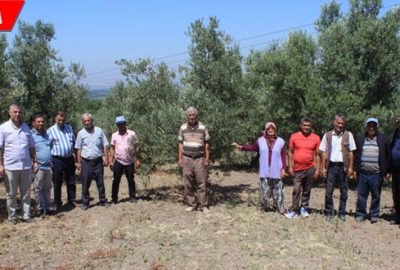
<point x="96" y="33"/>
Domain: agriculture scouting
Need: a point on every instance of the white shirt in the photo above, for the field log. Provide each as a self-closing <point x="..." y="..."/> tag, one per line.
<point x="336" y="151"/>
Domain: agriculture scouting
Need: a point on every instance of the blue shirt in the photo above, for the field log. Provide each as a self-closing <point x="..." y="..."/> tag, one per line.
<point x="43" y="149"/>
<point x="16" y="143"/>
<point x="91" y="144"/>
<point x="63" y="140"/>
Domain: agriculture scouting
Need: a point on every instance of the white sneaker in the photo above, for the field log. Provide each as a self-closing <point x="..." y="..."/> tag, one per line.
<point x="291" y="214"/>
<point x="190" y="209"/>
<point x="304" y="212"/>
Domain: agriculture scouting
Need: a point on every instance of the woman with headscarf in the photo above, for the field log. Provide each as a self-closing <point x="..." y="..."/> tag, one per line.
<point x="272" y="161"/>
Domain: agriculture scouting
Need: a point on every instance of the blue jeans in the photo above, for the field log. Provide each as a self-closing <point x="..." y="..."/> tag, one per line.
<point x="368" y="182"/>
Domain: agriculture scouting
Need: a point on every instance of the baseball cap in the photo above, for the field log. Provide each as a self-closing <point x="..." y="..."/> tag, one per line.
<point x="120" y="120"/>
<point x="373" y="120"/>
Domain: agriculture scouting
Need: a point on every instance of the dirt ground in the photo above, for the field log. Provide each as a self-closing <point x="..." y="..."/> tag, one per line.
<point x="156" y="233"/>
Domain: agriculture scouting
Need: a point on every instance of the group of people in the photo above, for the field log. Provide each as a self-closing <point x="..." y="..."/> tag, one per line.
<point x="338" y="157"/>
<point x="53" y="155"/>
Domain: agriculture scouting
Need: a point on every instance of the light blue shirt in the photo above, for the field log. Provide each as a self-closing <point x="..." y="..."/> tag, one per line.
<point x="91" y="144"/>
<point x="63" y="140"/>
<point x="16" y="143"/>
<point x="43" y="149"/>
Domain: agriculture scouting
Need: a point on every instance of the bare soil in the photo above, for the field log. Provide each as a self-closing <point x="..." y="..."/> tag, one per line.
<point x="156" y="233"/>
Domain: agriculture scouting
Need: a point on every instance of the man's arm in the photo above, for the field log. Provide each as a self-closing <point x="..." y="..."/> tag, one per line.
<point x="351" y="164"/>
<point x="180" y="155"/>
<point x="317" y="163"/>
<point x="2" y="170"/>
<point x="32" y="152"/>
<point x="106" y="159"/>
<point x="324" y="163"/>
<point x="207" y="154"/>
<point x="137" y="155"/>
<point x="291" y="162"/>
<point x="78" y="159"/>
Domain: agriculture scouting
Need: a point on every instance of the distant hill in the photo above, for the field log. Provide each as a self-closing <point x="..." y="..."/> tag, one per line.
<point x="98" y="93"/>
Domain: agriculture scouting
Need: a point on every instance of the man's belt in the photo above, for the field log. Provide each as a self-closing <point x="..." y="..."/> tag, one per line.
<point x="193" y="157"/>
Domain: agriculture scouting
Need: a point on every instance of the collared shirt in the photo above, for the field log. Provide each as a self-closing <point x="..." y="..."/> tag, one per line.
<point x="91" y="144"/>
<point x="124" y="146"/>
<point x="16" y="143"/>
<point x="303" y="148"/>
<point x="336" y="151"/>
<point x="370" y="155"/>
<point x="42" y="148"/>
<point x="193" y="139"/>
<point x="63" y="140"/>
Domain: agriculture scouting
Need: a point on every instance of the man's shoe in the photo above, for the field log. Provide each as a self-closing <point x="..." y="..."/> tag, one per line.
<point x="133" y="200"/>
<point x="281" y="210"/>
<point x="205" y="210"/>
<point x="105" y="204"/>
<point x="29" y="220"/>
<point x="329" y="218"/>
<point x="84" y="207"/>
<point x="395" y="221"/>
<point x="342" y="217"/>
<point x="190" y="209"/>
<point x="304" y="213"/>
<point x="374" y="220"/>
<point x="360" y="219"/>
<point x="291" y="214"/>
<point x="13" y="221"/>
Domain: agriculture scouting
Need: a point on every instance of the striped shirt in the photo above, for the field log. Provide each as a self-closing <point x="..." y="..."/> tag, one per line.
<point x="370" y="156"/>
<point x="63" y="140"/>
<point x="193" y="139"/>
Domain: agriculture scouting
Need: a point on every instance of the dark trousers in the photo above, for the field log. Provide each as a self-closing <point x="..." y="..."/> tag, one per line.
<point x="64" y="168"/>
<point x="92" y="169"/>
<point x="337" y="174"/>
<point x="119" y="169"/>
<point x="396" y="192"/>
<point x="302" y="183"/>
<point x="368" y="182"/>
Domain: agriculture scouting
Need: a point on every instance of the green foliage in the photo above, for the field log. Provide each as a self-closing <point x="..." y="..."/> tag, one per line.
<point x="150" y="102"/>
<point x="36" y="77"/>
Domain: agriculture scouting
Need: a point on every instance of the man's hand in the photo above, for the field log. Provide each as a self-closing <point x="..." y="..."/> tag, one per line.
<point x="78" y="166"/>
<point x="106" y="163"/>
<point x="387" y="176"/>
<point x="137" y="163"/>
<point x="350" y="172"/>
<point x="206" y="162"/>
<point x="35" y="167"/>
<point x="291" y="171"/>
<point x="2" y="170"/>
<point x="316" y="174"/>
<point x="180" y="163"/>
<point x="355" y="175"/>
<point x="324" y="172"/>
<point x="283" y="173"/>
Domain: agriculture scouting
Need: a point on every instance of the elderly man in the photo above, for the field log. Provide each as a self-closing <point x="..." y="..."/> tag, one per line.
<point x="62" y="138"/>
<point x="91" y="144"/>
<point x="43" y="175"/>
<point x="124" y="144"/>
<point x="272" y="165"/>
<point x="17" y="158"/>
<point x="193" y="158"/>
<point x="372" y="162"/>
<point x="337" y="148"/>
<point x="304" y="161"/>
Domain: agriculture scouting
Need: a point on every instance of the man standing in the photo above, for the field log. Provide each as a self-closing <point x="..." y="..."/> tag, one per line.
<point x="17" y="158"/>
<point x="303" y="151"/>
<point x="124" y="144"/>
<point x="43" y="175"/>
<point x="337" y="148"/>
<point x="193" y="158"/>
<point x="372" y="160"/>
<point x="395" y="169"/>
<point x="91" y="143"/>
<point x="62" y="138"/>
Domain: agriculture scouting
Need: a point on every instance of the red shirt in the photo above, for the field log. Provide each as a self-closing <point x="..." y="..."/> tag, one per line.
<point x="303" y="149"/>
